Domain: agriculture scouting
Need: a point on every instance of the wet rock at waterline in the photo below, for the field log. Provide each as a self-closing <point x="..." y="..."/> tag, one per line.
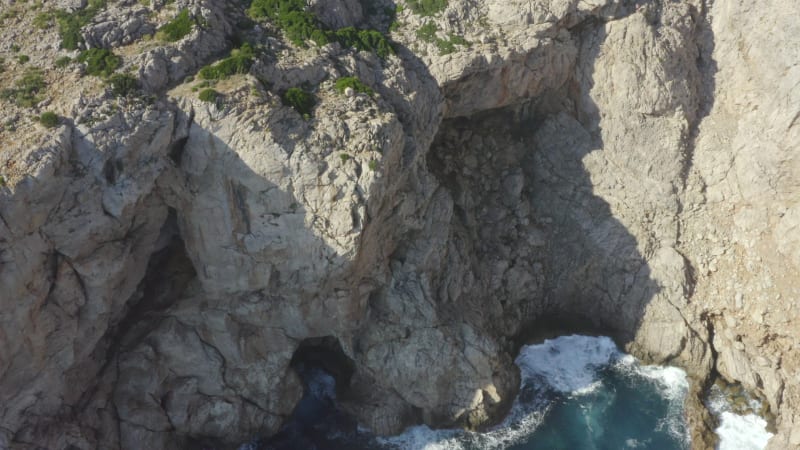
<point x="171" y="239"/>
<point x="575" y="392"/>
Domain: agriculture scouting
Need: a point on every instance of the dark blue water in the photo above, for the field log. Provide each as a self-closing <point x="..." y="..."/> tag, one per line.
<point x="577" y="392"/>
<point x="624" y="411"/>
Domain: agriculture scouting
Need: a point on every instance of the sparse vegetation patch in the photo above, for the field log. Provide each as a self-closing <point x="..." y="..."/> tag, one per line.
<point x="208" y="95"/>
<point x="354" y="83"/>
<point x="26" y="89"/>
<point x="427" y="32"/>
<point x="49" y="119"/>
<point x="301" y="26"/>
<point x="100" y="62"/>
<point x="427" y="7"/>
<point x="364" y="40"/>
<point x="63" y="61"/>
<point x="70" y="24"/>
<point x="238" y="62"/>
<point x="44" y="20"/>
<point x="177" y="28"/>
<point x="302" y="101"/>
<point x="123" y="84"/>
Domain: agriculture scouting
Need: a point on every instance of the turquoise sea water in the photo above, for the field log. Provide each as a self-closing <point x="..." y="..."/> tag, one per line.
<point x="577" y="392"/>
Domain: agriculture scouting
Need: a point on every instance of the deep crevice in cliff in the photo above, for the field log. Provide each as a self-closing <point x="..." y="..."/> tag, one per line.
<point x="169" y="271"/>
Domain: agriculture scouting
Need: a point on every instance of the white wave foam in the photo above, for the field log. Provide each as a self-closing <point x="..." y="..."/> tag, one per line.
<point x="672" y="381"/>
<point x="423" y="438"/>
<point x="567" y="363"/>
<point x="672" y="384"/>
<point x="736" y="431"/>
<point x="742" y="432"/>
<point x="517" y="426"/>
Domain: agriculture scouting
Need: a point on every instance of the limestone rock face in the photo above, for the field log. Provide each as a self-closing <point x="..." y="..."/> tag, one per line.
<point x="77" y="231"/>
<point x="614" y="166"/>
<point x="338" y="13"/>
<point x="743" y="220"/>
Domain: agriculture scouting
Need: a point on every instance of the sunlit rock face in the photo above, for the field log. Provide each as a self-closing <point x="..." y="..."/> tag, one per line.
<point x="623" y="166"/>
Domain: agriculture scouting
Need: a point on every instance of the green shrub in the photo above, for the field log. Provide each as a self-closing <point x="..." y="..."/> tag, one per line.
<point x="63" y="61"/>
<point x="49" y="119"/>
<point x="300" y="26"/>
<point x="352" y="82"/>
<point x="23" y="59"/>
<point x="2" y="65"/>
<point x="459" y="40"/>
<point x="123" y="84"/>
<point x="208" y="95"/>
<point x="373" y="165"/>
<point x="445" y="46"/>
<point x="291" y="17"/>
<point x="177" y="28"/>
<point x="273" y="9"/>
<point x="70" y="24"/>
<point x="344" y="157"/>
<point x="427" y="7"/>
<point x="448" y="45"/>
<point x="427" y="32"/>
<point x="365" y="40"/>
<point x="239" y="61"/>
<point x="300" y="100"/>
<point x="26" y="89"/>
<point x="100" y="62"/>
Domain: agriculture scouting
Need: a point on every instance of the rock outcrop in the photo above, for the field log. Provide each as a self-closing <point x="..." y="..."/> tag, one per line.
<point x="627" y="164"/>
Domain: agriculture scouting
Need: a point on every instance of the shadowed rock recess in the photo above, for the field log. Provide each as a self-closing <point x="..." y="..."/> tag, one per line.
<point x="170" y="266"/>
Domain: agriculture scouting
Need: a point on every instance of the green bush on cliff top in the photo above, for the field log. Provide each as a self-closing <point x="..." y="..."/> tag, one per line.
<point x="176" y="28"/>
<point x="301" y="26"/>
<point x="427" y="7"/>
<point x="70" y="24"/>
<point x="238" y="62"/>
<point x="300" y="100"/>
<point x="100" y="62"/>
<point x="26" y="89"/>
<point x="354" y="83"/>
<point x="49" y="119"/>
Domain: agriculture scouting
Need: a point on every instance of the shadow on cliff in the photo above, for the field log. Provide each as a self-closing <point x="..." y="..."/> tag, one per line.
<point x="591" y="274"/>
<point x="169" y="309"/>
<point x="229" y="225"/>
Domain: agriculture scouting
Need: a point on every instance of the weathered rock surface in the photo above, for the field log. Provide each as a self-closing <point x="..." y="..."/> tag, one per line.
<point x="630" y="164"/>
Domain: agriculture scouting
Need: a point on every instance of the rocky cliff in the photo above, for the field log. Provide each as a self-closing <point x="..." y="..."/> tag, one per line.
<point x="180" y="233"/>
